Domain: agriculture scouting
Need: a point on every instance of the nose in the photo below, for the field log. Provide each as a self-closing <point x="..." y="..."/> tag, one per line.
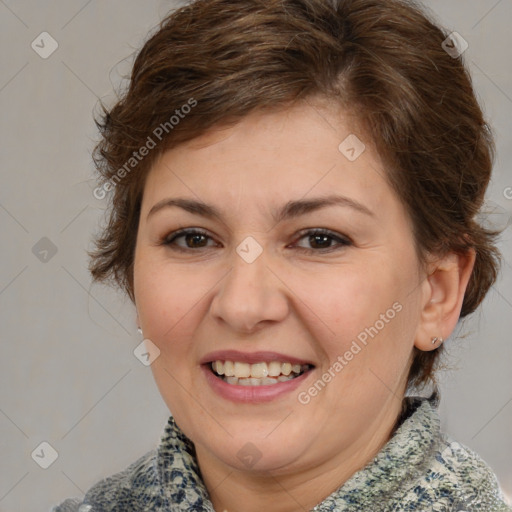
<point x="250" y="296"/>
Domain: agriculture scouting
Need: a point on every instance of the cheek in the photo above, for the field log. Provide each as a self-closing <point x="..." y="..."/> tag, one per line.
<point x="364" y="313"/>
<point x="168" y="303"/>
<point x="165" y="298"/>
<point x="350" y="298"/>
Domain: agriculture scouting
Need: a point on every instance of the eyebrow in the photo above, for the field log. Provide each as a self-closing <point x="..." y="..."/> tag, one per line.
<point x="289" y="210"/>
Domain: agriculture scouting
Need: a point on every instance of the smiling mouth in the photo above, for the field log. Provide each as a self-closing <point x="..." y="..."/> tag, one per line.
<point x="258" y="374"/>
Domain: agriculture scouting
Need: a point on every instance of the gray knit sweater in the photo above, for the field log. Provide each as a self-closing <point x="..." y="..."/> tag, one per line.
<point x="418" y="469"/>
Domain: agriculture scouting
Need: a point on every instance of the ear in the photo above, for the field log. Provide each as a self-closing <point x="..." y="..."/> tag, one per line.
<point x="443" y="294"/>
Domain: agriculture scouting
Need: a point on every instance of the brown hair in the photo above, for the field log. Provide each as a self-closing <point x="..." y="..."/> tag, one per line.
<point x="382" y="60"/>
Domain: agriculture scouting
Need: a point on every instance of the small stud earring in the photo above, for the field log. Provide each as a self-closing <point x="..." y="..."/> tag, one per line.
<point x="436" y="339"/>
<point x="139" y="330"/>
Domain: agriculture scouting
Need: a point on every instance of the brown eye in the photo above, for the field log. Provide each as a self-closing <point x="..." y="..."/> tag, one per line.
<point x="321" y="241"/>
<point x="194" y="239"/>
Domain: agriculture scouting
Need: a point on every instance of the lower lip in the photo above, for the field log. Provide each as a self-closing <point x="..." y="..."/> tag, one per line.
<point x="252" y="394"/>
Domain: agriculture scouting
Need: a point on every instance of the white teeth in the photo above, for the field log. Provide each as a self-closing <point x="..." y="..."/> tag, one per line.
<point x="242" y="370"/>
<point x="259" y="370"/>
<point x="252" y="381"/>
<point x="274" y="369"/>
<point x="286" y="368"/>
<point x="229" y="369"/>
<point x="258" y="374"/>
<point x="218" y="366"/>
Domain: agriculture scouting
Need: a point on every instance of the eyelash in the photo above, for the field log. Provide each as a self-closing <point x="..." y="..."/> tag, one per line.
<point x="169" y="241"/>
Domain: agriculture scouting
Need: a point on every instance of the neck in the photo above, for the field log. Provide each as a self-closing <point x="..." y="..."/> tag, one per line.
<point x="301" y="489"/>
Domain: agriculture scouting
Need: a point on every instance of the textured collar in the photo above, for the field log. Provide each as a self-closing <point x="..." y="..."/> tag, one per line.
<point x="178" y="472"/>
<point x="401" y="460"/>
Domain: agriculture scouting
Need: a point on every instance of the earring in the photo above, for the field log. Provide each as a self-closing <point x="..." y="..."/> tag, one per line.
<point x="436" y="339"/>
<point x="139" y="330"/>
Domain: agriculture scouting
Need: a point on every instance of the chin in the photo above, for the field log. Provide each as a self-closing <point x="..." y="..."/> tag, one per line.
<point x="258" y="449"/>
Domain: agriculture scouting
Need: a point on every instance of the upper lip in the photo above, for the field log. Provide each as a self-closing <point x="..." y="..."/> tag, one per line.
<point x="251" y="357"/>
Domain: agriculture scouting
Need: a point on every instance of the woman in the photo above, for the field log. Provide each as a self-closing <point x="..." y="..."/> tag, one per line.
<point x="294" y="189"/>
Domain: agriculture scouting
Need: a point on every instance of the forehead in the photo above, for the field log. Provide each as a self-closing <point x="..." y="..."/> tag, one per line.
<point x="272" y="157"/>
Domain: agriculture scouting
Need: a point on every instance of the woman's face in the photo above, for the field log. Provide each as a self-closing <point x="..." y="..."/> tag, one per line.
<point x="258" y="285"/>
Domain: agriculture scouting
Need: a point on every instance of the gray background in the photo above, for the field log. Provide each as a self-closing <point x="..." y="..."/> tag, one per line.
<point x="68" y="374"/>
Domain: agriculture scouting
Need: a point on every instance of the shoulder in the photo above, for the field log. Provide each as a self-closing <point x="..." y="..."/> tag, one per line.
<point x="456" y="476"/>
<point x="123" y="491"/>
